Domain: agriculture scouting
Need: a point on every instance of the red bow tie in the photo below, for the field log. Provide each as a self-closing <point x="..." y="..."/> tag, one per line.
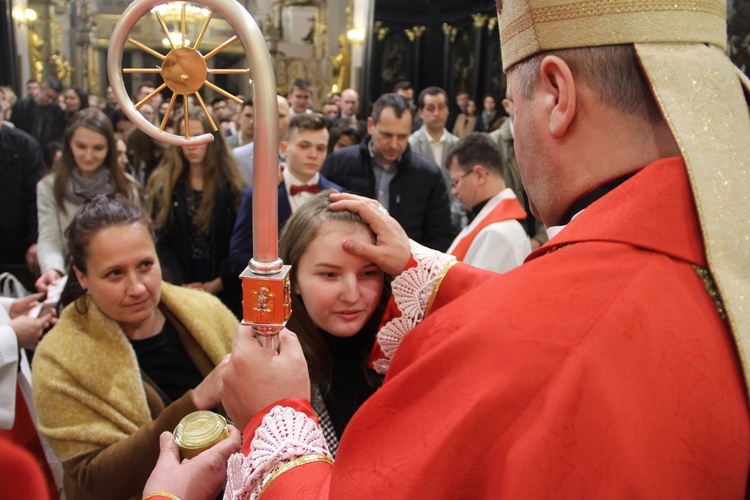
<point x="312" y="188"/>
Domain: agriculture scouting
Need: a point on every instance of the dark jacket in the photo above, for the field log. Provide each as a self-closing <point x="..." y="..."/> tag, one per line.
<point x="241" y="245"/>
<point x="21" y="166"/>
<point x="418" y="196"/>
<point x="173" y="243"/>
<point x="43" y="123"/>
<point x="488" y="124"/>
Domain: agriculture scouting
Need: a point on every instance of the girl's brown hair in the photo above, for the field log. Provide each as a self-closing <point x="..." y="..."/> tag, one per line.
<point x="219" y="166"/>
<point x="299" y="231"/>
<point x="98" y="122"/>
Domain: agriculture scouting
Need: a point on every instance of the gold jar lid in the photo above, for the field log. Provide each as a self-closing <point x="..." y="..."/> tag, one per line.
<point x="199" y="431"/>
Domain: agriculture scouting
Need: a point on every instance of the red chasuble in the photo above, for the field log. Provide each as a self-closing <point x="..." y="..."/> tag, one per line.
<point x="598" y="369"/>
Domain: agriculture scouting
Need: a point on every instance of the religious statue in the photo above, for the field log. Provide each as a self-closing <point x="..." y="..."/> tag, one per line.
<point x="341" y="64"/>
<point x="35" y="56"/>
<point x="61" y="68"/>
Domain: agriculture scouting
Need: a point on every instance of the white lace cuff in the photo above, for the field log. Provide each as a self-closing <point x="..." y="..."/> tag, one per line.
<point x="412" y="290"/>
<point x="283" y="436"/>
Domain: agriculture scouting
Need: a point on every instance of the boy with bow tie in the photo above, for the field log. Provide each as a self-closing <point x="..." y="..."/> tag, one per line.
<point x="304" y="146"/>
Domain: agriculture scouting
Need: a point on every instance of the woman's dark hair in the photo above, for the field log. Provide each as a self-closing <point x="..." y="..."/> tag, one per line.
<point x="119" y="116"/>
<point x="355" y="131"/>
<point x="147" y="153"/>
<point x="102" y="212"/>
<point x="304" y="225"/>
<point x="83" y="96"/>
<point x="299" y="231"/>
<point x="50" y="150"/>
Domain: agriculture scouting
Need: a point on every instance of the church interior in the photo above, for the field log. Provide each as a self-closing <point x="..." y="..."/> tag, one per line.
<point x="368" y="45"/>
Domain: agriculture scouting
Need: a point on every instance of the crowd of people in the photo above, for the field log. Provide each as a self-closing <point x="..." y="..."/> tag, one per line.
<point x="130" y="227"/>
<point x="454" y="331"/>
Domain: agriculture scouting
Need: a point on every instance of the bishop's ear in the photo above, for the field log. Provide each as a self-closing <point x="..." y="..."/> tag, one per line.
<point x="559" y="94"/>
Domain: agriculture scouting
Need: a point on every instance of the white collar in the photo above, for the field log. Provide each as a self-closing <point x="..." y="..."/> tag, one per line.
<point x="443" y="137"/>
<point x="291" y="180"/>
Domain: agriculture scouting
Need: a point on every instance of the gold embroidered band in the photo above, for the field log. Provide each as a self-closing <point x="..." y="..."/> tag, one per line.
<point x="307" y="459"/>
<point x="532" y="26"/>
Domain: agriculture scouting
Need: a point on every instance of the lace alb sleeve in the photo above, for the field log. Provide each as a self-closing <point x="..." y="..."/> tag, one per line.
<point x="286" y="438"/>
<point x="412" y="291"/>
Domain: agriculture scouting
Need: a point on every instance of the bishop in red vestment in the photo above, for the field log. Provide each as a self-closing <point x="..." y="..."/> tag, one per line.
<point x="614" y="362"/>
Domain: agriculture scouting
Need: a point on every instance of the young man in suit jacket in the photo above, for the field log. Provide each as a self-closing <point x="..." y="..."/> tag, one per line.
<point x="305" y="146"/>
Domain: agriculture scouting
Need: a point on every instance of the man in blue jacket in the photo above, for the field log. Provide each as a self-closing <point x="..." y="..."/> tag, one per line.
<point x="385" y="168"/>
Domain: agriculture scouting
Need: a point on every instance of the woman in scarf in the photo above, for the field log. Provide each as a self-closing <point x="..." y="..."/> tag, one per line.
<point x="88" y="167"/>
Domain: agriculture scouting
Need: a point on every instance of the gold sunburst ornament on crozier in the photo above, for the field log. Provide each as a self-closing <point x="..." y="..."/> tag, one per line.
<point x="265" y="282"/>
<point x="184" y="68"/>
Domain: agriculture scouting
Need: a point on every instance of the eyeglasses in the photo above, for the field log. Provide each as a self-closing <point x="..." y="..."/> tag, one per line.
<point x="456" y="182"/>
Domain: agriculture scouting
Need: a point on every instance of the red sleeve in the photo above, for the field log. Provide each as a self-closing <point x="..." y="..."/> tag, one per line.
<point x="459" y="279"/>
<point x="308" y="481"/>
<point x="391" y="312"/>
<point x="298" y="404"/>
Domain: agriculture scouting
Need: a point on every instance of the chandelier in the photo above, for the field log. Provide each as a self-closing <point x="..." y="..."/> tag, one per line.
<point x="172" y="12"/>
<point x="175" y="39"/>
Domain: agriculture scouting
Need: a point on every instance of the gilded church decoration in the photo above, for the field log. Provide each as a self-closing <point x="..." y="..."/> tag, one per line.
<point x="415" y="32"/>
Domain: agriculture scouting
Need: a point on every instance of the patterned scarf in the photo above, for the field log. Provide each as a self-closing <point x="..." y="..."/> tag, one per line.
<point x="81" y="189"/>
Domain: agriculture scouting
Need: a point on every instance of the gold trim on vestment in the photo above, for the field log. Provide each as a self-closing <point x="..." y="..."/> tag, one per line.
<point x="437" y="286"/>
<point x="307" y="459"/>
<point x="708" y="282"/>
<point x="161" y="494"/>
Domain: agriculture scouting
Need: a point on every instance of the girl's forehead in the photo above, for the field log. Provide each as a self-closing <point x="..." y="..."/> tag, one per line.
<point x="337" y="225"/>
